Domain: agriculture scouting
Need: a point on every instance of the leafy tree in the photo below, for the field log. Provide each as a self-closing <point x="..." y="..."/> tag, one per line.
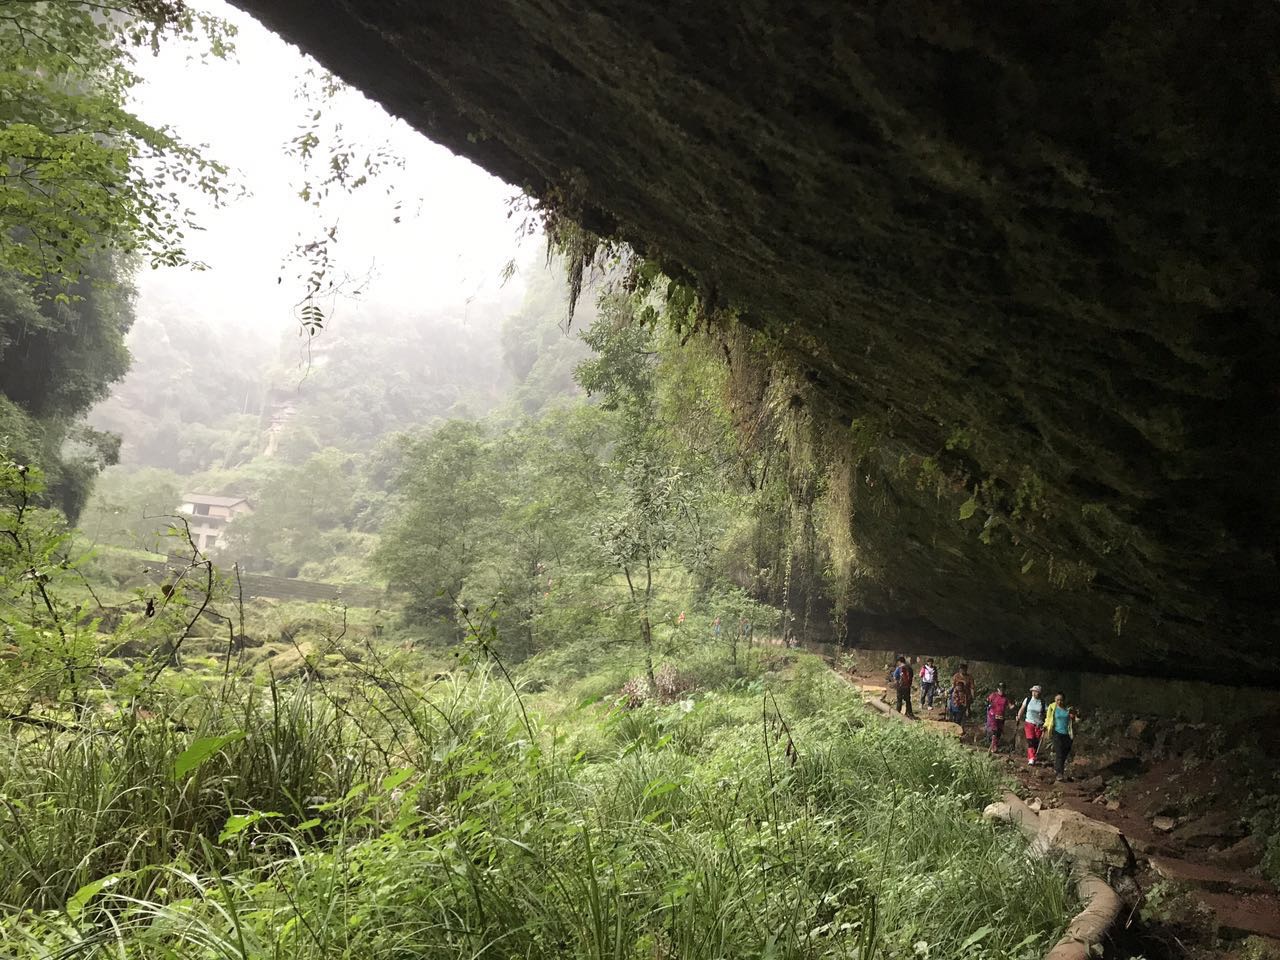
<point x="130" y="508"/>
<point x="639" y="533"/>
<point x="81" y="175"/>
<point x="84" y="184"/>
<point x="59" y="356"/>
<point x="48" y="646"/>
<point x="539" y="571"/>
<point x="653" y="516"/>
<point x="623" y="366"/>
<point x="449" y="504"/>
<point x="295" y="511"/>
<point x="587" y="520"/>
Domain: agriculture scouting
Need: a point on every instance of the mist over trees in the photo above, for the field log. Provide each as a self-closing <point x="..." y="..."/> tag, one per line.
<point x="58" y="356"/>
<point x="628" y="515"/>
<point x="309" y="427"/>
<point x="87" y="190"/>
<point x="545" y="700"/>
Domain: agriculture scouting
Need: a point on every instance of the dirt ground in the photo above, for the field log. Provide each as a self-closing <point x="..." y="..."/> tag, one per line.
<point x="1188" y="798"/>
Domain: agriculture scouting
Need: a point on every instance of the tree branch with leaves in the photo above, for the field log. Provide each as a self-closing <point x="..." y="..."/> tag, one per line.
<point x="80" y="173"/>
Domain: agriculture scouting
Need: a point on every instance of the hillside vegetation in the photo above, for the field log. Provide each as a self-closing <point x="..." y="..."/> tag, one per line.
<point x="572" y="726"/>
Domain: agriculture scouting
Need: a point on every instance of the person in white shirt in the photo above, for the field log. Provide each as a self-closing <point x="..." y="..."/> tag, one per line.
<point x="928" y="684"/>
<point x="1031" y="715"/>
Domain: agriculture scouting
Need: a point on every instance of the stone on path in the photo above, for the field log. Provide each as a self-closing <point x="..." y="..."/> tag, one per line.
<point x="1093" y="785"/>
<point x="1087" y="840"/>
<point x="1137" y="729"/>
<point x="1245" y="914"/>
<point x="1207" y="876"/>
<point x="1219" y="828"/>
<point x="1241" y="855"/>
<point x="944" y="727"/>
<point x="1163" y="824"/>
<point x="999" y="810"/>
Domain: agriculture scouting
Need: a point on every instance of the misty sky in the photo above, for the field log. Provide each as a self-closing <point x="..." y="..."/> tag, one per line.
<point x="451" y="244"/>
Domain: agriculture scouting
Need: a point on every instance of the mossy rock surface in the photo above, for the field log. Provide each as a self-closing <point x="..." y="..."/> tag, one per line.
<point x="1036" y="248"/>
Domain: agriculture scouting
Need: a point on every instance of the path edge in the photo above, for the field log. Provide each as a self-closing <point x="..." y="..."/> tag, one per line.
<point x="1102" y="905"/>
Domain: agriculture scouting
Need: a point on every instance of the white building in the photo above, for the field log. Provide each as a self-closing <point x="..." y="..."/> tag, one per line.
<point x="210" y="516"/>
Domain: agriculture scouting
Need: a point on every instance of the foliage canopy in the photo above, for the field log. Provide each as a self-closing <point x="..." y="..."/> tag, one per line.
<point x="80" y="173"/>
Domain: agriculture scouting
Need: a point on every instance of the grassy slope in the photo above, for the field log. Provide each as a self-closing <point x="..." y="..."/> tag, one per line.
<point x="369" y="820"/>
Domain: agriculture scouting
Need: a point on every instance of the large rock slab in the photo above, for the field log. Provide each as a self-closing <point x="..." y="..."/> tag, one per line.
<point x="1022" y="267"/>
<point x="1218" y="828"/>
<point x="1256" y="914"/>
<point x="1084" y="839"/>
<point x="1241" y="855"/>
<point x="1208" y="876"/>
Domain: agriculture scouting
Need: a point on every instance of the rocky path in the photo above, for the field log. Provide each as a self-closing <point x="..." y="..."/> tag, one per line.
<point x="1191" y="880"/>
<point x="1181" y="854"/>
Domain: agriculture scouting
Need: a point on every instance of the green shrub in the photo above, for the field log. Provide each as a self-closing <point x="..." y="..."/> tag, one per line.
<point x="390" y="822"/>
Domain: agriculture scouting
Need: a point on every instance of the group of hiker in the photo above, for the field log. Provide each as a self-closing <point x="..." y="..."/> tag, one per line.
<point x="1051" y="721"/>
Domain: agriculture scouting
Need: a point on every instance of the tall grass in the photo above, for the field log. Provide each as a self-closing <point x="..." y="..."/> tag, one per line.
<point x="104" y="798"/>
<point x="387" y="825"/>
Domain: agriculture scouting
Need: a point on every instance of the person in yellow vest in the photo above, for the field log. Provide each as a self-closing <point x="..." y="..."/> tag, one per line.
<point x="1060" y="726"/>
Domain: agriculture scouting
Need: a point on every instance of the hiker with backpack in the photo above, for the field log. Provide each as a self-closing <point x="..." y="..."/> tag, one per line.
<point x="961" y="694"/>
<point x="902" y="676"/>
<point x="1031" y="716"/>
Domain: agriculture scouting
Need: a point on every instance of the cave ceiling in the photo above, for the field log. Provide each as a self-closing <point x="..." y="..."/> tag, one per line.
<point x="1026" y="255"/>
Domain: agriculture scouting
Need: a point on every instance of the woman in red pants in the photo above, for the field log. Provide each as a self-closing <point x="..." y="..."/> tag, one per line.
<point x="1031" y="716"/>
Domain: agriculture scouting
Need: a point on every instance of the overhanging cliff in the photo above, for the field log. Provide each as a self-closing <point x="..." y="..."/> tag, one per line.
<point x="1027" y="256"/>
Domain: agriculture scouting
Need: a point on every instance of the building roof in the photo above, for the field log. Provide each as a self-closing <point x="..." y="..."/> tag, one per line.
<point x="213" y="501"/>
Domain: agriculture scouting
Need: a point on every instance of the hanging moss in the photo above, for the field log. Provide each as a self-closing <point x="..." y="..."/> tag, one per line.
<point x="1049" y="237"/>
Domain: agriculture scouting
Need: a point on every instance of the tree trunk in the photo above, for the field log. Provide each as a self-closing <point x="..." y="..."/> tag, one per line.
<point x="646" y="637"/>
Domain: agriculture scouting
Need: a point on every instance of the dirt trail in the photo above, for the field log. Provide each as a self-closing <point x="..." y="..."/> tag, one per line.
<point x="1193" y="884"/>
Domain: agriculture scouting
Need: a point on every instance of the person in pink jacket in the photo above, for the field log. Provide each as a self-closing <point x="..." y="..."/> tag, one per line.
<point x="997" y="707"/>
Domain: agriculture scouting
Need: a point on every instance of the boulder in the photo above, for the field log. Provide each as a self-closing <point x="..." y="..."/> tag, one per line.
<point x="1207" y="876"/>
<point x="944" y="727"/>
<point x="999" y="810"/>
<point x="1119" y="762"/>
<point x="1013" y="810"/>
<point x="1245" y="914"/>
<point x="1219" y="828"/>
<point x="1187" y="738"/>
<point x="1138" y="729"/>
<point x="1066" y="252"/>
<point x="1241" y="855"/>
<point x="1150" y="847"/>
<point x="1089" y="841"/>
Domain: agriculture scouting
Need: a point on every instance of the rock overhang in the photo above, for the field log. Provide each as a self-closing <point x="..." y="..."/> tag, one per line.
<point x="1038" y="247"/>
